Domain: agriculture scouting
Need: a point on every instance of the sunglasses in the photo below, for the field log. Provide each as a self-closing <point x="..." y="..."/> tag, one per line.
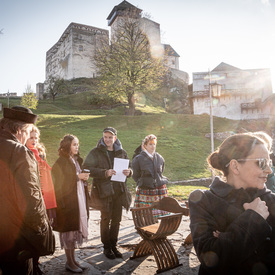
<point x="261" y="162"/>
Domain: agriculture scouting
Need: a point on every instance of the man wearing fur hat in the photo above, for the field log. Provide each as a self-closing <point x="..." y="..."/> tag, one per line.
<point x="23" y="218"/>
<point x="111" y="194"/>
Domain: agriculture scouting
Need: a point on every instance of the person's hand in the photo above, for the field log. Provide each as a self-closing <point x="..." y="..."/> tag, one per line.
<point x="109" y="173"/>
<point x="258" y="206"/>
<point x="84" y="176"/>
<point x="126" y="172"/>
<point x="216" y="233"/>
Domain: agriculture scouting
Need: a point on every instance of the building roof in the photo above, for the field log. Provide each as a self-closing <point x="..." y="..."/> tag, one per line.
<point x="122" y="6"/>
<point x="74" y="25"/>
<point x="225" y="67"/>
<point x="170" y="51"/>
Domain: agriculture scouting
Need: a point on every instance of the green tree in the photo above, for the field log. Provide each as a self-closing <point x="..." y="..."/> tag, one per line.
<point x="126" y="65"/>
<point x="56" y="86"/>
<point x="29" y="99"/>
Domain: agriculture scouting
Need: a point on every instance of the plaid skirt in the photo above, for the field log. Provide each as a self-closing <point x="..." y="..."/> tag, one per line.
<point x="145" y="197"/>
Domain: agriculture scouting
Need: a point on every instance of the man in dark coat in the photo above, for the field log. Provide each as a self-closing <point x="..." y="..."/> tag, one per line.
<point x="112" y="194"/>
<point x="23" y="218"/>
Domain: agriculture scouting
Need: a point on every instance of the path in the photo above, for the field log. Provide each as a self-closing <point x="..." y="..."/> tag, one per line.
<point x="91" y="254"/>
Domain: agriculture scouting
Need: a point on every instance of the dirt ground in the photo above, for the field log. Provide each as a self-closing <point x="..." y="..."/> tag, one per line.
<point x="91" y="253"/>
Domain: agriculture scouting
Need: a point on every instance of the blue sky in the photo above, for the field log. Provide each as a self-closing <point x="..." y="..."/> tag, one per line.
<point x="203" y="32"/>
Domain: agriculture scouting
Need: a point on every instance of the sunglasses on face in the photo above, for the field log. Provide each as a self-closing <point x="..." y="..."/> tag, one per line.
<point x="261" y="162"/>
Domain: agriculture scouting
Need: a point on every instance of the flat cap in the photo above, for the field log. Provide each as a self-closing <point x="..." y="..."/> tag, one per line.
<point x="110" y="130"/>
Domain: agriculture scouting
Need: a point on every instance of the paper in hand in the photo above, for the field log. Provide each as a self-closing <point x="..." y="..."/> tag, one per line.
<point x="119" y="166"/>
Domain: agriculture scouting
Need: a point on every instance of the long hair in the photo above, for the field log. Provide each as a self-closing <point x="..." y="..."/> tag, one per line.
<point x="65" y="145"/>
<point x="40" y="146"/>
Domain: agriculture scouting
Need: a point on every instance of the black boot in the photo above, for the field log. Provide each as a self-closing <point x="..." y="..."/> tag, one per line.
<point x="109" y="253"/>
<point x="116" y="252"/>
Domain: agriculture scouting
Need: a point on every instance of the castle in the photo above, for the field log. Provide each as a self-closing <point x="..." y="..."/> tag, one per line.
<point x="73" y="54"/>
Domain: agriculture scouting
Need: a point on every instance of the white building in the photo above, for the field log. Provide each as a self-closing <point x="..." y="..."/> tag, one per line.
<point x="73" y="54"/>
<point x="244" y="93"/>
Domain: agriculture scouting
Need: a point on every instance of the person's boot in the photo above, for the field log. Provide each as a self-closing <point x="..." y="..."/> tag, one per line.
<point x="116" y="252"/>
<point x="109" y="253"/>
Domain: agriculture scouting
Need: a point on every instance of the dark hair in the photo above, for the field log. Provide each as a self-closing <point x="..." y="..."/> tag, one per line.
<point x="65" y="145"/>
<point x="13" y="126"/>
<point x="238" y="146"/>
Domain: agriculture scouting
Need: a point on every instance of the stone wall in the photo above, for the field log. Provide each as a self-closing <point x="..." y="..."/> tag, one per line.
<point x="73" y="55"/>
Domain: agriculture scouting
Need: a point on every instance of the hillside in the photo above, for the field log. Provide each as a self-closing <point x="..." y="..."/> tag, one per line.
<point x="181" y="138"/>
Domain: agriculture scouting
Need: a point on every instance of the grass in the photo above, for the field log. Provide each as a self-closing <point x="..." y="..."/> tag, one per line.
<point x="181" y="138"/>
<point x="181" y="192"/>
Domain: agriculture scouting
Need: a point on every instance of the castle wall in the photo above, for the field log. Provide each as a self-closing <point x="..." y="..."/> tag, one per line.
<point x="72" y="56"/>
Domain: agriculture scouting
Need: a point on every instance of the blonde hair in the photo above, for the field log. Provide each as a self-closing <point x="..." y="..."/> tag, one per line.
<point x="40" y="146"/>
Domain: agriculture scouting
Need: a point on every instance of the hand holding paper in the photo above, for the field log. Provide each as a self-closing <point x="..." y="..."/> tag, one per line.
<point x="119" y="166"/>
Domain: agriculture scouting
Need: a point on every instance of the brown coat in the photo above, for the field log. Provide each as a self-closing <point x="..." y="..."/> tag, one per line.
<point x="22" y="209"/>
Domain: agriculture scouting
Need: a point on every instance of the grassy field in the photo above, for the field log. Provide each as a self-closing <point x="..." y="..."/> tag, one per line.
<point x="181" y="138"/>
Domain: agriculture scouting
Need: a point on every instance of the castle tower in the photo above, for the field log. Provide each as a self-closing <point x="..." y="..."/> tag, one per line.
<point x="73" y="55"/>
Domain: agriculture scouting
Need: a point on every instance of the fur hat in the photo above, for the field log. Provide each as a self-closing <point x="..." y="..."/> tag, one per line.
<point x="110" y="130"/>
<point x="20" y="113"/>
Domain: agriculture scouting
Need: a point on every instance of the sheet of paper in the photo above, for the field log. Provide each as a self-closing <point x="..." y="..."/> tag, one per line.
<point x="119" y="166"/>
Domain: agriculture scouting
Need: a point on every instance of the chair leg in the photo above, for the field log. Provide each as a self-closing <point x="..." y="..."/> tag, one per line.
<point x="188" y="239"/>
<point x="142" y="249"/>
<point x="162" y="250"/>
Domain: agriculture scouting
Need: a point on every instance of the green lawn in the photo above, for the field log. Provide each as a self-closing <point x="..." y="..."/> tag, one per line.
<point x="181" y="138"/>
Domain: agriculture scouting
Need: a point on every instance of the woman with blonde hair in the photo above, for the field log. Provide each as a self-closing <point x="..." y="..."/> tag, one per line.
<point x="233" y="223"/>
<point x="148" y="167"/>
<point x="47" y="188"/>
<point x="33" y="143"/>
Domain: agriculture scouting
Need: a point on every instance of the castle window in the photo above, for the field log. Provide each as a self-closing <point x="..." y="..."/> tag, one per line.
<point x="80" y="48"/>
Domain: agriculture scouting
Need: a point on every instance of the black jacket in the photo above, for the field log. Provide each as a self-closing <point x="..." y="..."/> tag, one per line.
<point x="147" y="173"/>
<point x="98" y="162"/>
<point x="246" y="241"/>
<point x="65" y="185"/>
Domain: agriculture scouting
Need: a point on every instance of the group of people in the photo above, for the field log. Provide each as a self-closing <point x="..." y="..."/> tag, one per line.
<point x="36" y="198"/>
<point x="232" y="224"/>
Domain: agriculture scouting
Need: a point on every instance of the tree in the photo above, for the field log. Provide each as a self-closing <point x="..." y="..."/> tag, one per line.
<point x="56" y="86"/>
<point x="29" y="99"/>
<point x="126" y="65"/>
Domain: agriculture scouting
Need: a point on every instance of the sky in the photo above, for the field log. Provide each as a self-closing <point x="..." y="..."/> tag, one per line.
<point x="203" y="32"/>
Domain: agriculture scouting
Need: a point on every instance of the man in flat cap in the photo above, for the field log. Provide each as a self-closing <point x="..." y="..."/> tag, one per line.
<point x="23" y="219"/>
<point x="113" y="195"/>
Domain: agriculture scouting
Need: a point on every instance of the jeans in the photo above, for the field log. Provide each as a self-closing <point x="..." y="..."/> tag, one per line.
<point x="110" y="222"/>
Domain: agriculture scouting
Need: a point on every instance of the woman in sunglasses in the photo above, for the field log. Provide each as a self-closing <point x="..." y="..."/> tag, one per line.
<point x="233" y="223"/>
